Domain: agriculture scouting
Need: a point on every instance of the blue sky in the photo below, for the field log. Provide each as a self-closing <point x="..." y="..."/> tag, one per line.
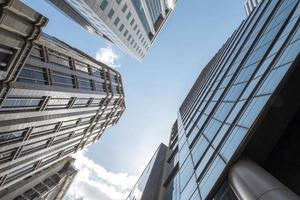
<point x="154" y="88"/>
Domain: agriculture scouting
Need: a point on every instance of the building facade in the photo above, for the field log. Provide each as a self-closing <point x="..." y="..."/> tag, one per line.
<point x="132" y="25"/>
<point x="54" y="99"/>
<point x="236" y="135"/>
<point x="250" y="5"/>
<point x="154" y="173"/>
<point x="51" y="183"/>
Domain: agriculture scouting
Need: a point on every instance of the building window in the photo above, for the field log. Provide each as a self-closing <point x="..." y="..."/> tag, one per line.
<point x="124" y="8"/>
<point x="80" y="66"/>
<point x="132" y="22"/>
<point x="30" y="74"/>
<point x="135" y="27"/>
<point x="129" y="37"/>
<point x="81" y="102"/>
<point x="62" y="80"/>
<point x="42" y="130"/>
<point x="41" y="188"/>
<point x="125" y="33"/>
<point x="99" y="87"/>
<point x="58" y="103"/>
<point x="5" y="57"/>
<point x="121" y="28"/>
<point x="128" y="15"/>
<point x="118" y="1"/>
<point x="49" y="182"/>
<point x="59" y="59"/>
<point x="104" y="4"/>
<point x="7" y="155"/>
<point x="96" y="102"/>
<point x="21" y="103"/>
<point x="84" y="84"/>
<point x="111" y="13"/>
<point x="137" y="33"/>
<point x="86" y="120"/>
<point x="69" y="124"/>
<point x="117" y="20"/>
<point x="19" y="172"/>
<point x="33" y="147"/>
<point x="62" y="137"/>
<point x="36" y="52"/>
<point x="31" y="194"/>
<point x="97" y="72"/>
<point x="49" y="159"/>
<point x="12" y="136"/>
<point x="69" y="150"/>
<point x="132" y="41"/>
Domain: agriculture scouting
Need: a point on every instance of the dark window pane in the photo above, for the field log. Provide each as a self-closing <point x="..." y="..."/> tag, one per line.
<point x="21" y="103"/>
<point x="104" y="4"/>
<point x="121" y="27"/>
<point x="35" y="75"/>
<point x="5" y="57"/>
<point x="128" y="15"/>
<point x="62" y="79"/>
<point x="84" y="84"/>
<point x="7" y="155"/>
<point x="117" y="20"/>
<point x="233" y="142"/>
<point x="111" y="13"/>
<point x="12" y="135"/>
<point x="124" y="8"/>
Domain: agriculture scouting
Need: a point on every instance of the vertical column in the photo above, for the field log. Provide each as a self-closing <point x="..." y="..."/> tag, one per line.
<point x="251" y="182"/>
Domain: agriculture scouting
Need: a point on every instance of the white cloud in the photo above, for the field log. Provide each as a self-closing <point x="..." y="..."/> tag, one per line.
<point x="93" y="182"/>
<point x="108" y="56"/>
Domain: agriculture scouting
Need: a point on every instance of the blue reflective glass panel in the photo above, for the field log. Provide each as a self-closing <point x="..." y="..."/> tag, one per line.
<point x="253" y="110"/>
<point x="211" y="177"/>
<point x="232" y="143"/>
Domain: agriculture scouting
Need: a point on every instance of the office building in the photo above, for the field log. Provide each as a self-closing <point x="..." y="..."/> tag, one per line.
<point x="132" y="25"/>
<point x="154" y="173"/>
<point x="54" y="99"/>
<point x="20" y="26"/>
<point x="237" y="131"/>
<point x="51" y="183"/>
<point x="250" y="5"/>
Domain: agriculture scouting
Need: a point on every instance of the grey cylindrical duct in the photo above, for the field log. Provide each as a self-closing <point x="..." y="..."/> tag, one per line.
<point x="251" y="182"/>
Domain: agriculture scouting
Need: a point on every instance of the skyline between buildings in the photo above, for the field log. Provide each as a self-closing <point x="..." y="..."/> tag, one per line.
<point x="57" y="100"/>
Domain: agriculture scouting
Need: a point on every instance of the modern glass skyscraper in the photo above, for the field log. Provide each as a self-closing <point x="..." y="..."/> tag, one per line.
<point x="132" y="25"/>
<point x="54" y="99"/>
<point x="237" y="132"/>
